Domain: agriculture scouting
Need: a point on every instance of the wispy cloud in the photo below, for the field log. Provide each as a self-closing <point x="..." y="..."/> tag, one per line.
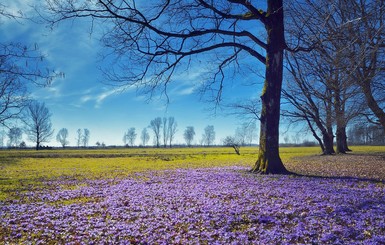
<point x="98" y="97"/>
<point x="187" y="91"/>
<point x="188" y="81"/>
<point x="86" y="98"/>
<point x="104" y="95"/>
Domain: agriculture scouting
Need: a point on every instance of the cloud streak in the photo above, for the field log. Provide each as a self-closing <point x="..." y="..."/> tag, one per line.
<point x="99" y="97"/>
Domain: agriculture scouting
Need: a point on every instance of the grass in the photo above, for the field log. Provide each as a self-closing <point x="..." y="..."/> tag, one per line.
<point x="25" y="170"/>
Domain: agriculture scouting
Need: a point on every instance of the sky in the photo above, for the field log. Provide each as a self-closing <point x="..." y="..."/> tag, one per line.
<point x="82" y="98"/>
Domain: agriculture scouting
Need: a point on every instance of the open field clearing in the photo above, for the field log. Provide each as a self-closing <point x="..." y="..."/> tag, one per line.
<point x="190" y="196"/>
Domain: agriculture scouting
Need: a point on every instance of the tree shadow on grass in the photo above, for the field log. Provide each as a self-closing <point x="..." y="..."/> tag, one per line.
<point x="336" y="177"/>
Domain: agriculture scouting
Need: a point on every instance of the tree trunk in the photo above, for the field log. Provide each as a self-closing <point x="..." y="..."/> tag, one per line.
<point x="328" y="136"/>
<point x="269" y="161"/>
<point x="315" y="134"/>
<point x="37" y="139"/>
<point x="345" y="139"/>
<point x="342" y="144"/>
<point x="236" y="149"/>
<point x="328" y="143"/>
<point x="327" y="139"/>
<point x="372" y="103"/>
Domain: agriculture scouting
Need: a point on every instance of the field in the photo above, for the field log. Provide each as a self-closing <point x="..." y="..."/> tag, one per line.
<point x="190" y="196"/>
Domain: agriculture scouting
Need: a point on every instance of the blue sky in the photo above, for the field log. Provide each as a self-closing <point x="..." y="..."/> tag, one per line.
<point x="83" y="100"/>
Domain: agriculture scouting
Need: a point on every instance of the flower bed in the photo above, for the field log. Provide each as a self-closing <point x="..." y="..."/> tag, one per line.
<point x="198" y="206"/>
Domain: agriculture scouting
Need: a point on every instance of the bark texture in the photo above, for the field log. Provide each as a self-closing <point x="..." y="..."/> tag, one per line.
<point x="269" y="161"/>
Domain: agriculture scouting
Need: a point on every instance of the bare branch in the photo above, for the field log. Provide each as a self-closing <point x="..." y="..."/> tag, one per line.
<point x="248" y="108"/>
<point x="261" y="15"/>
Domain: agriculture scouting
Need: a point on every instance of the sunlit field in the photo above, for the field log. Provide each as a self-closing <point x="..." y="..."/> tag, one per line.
<point x="190" y="196"/>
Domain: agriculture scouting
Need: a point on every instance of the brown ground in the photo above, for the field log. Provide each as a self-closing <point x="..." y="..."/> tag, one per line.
<point x="363" y="166"/>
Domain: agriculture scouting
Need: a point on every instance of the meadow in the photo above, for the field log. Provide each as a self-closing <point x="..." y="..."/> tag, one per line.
<point x="190" y="196"/>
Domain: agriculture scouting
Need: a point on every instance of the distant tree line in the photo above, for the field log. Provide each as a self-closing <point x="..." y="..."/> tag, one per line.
<point x="164" y="132"/>
<point x="36" y="124"/>
<point x="366" y="134"/>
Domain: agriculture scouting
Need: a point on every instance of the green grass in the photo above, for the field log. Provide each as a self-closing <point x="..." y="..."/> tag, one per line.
<point x="26" y="170"/>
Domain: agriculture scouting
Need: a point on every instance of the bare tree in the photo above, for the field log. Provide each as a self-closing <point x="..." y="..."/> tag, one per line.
<point x="145" y="136"/>
<point x="251" y="133"/>
<point x="2" y="137"/>
<point x="240" y="135"/>
<point x="364" y="30"/>
<point x="130" y="137"/>
<point x="311" y="99"/>
<point x="23" y="145"/>
<point x="188" y="135"/>
<point x="245" y="133"/>
<point x="232" y="142"/>
<point x="164" y="38"/>
<point x="124" y="139"/>
<point x="14" y="136"/>
<point x="331" y="69"/>
<point x="156" y="125"/>
<point x="165" y="132"/>
<point x="338" y="62"/>
<point x="62" y="137"/>
<point x="38" y="123"/>
<point x="171" y="128"/>
<point x="208" y="136"/>
<point x="86" y="137"/>
<point x="79" y="137"/>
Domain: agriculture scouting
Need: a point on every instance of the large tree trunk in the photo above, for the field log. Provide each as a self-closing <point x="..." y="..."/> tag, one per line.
<point x="269" y="161"/>
<point x="342" y="143"/>
<point x="327" y="132"/>
<point x="340" y="132"/>
<point x="340" y="147"/>
<point x="345" y="139"/>
<point x="328" y="143"/>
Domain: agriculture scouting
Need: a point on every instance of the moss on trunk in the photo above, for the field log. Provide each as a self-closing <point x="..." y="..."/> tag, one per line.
<point x="269" y="161"/>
